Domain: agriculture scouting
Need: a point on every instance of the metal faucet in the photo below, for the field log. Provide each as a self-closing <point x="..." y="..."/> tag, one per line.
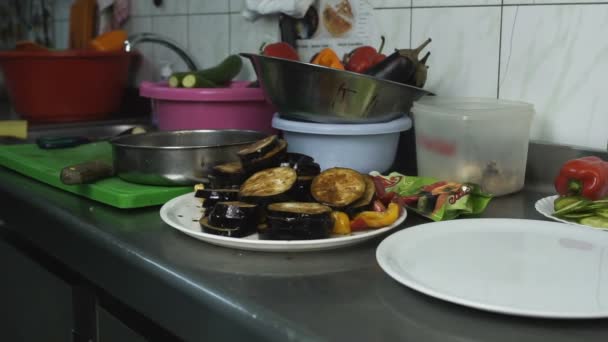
<point x="156" y="38"/>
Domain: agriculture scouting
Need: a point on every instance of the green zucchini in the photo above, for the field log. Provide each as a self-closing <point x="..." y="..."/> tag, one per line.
<point x="175" y="81"/>
<point x="195" y="80"/>
<point x="217" y="75"/>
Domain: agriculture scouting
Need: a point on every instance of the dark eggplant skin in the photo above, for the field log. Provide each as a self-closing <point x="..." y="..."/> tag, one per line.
<point x="258" y="149"/>
<point x="229" y="175"/>
<point x="229" y="232"/>
<point x="303" y="164"/>
<point x="269" y="160"/>
<point x="293" y="224"/>
<point x="300" y="191"/>
<point x="213" y="196"/>
<point x="234" y="215"/>
<point x="366" y="202"/>
<point x="395" y="67"/>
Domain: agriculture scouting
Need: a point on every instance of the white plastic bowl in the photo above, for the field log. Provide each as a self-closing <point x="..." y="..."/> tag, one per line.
<point x="362" y="147"/>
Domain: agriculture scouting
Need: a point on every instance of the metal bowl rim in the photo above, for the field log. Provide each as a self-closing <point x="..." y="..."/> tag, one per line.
<point x="336" y="71"/>
<point x="116" y="141"/>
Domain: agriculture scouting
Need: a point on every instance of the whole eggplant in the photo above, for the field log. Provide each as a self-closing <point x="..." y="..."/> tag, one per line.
<point x="403" y="66"/>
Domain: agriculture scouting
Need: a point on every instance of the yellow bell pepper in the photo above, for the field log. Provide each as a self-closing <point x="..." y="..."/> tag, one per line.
<point x="341" y="223"/>
<point x="327" y="57"/>
<point x="375" y="219"/>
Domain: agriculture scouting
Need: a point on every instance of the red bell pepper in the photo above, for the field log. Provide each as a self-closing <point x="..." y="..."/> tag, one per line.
<point x="587" y="177"/>
<point x="280" y="50"/>
<point x="363" y="58"/>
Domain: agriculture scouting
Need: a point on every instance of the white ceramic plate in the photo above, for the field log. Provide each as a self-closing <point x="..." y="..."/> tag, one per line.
<point x="520" y="267"/>
<point x="183" y="213"/>
<point x="545" y="207"/>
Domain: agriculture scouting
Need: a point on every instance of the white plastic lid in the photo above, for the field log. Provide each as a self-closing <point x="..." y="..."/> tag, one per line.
<point x="397" y="125"/>
<point x="472" y="108"/>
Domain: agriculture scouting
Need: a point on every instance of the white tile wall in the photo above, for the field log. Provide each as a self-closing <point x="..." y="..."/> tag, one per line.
<point x="435" y="3"/>
<point x="175" y="28"/>
<point x="552" y="53"/>
<point x="464" y="50"/>
<point x="208" y="43"/>
<point x="246" y="36"/>
<point x="208" y="6"/>
<point x="556" y="57"/>
<point x="61" y="32"/>
<point x="394" y="24"/>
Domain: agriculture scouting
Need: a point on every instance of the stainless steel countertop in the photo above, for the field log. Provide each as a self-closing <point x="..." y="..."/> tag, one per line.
<point x="197" y="290"/>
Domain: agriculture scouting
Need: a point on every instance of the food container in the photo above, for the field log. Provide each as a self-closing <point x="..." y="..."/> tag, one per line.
<point x="483" y="141"/>
<point x="62" y="86"/>
<point x="233" y="107"/>
<point x="363" y="147"/>
<point x="310" y="92"/>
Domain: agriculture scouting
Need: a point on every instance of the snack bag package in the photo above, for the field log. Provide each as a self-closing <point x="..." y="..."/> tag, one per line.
<point x="429" y="197"/>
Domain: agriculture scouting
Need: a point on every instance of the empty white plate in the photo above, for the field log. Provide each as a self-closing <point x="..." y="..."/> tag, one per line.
<point x="519" y="267"/>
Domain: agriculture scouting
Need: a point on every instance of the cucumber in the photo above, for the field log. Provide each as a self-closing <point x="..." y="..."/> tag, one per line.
<point x="223" y="72"/>
<point x="175" y="81"/>
<point x="562" y="202"/>
<point x="195" y="80"/>
<point x="595" y="221"/>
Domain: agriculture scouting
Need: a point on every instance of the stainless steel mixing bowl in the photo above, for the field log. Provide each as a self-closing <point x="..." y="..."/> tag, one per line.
<point x="178" y="157"/>
<point x="311" y="92"/>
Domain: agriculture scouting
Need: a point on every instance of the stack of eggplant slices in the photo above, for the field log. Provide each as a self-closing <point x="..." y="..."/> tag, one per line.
<point x="281" y="195"/>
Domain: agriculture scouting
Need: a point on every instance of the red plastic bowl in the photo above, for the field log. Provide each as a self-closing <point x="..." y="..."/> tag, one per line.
<point x="62" y="86"/>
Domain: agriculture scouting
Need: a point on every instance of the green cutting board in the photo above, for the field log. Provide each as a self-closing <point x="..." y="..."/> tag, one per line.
<point x="45" y="166"/>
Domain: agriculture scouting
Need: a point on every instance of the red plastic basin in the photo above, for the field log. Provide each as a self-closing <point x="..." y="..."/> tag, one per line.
<point x="62" y="86"/>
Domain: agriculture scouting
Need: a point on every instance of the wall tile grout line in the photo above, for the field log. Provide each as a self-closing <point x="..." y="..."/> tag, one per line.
<point x="411" y="23"/>
<point x="499" y="50"/>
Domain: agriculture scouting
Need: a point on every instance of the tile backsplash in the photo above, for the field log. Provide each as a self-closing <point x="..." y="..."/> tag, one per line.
<point x="552" y="53"/>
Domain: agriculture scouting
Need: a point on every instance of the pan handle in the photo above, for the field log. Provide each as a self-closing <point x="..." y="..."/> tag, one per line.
<point x="87" y="172"/>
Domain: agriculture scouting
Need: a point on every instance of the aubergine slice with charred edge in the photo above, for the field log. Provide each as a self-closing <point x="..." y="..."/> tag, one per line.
<point x="258" y="149"/>
<point x="267" y="186"/>
<point x="300" y="192"/>
<point x="212" y="196"/>
<point x="228" y="175"/>
<point x="297" y="221"/>
<point x="338" y="187"/>
<point x="229" y="232"/>
<point x="269" y="160"/>
<point x="235" y="214"/>
<point x="366" y="201"/>
<point x="303" y="164"/>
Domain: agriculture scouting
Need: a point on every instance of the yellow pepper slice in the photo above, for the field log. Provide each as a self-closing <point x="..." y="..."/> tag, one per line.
<point x="375" y="219"/>
<point x="341" y="223"/>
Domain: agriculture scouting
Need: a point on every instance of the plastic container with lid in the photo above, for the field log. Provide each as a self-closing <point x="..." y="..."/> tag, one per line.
<point x="478" y="140"/>
<point x="363" y="147"/>
<point x="236" y="106"/>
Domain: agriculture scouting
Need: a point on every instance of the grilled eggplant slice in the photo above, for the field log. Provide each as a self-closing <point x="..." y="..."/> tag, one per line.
<point x="303" y="164"/>
<point x="269" y="160"/>
<point x="366" y="201"/>
<point x="212" y="196"/>
<point x="258" y="149"/>
<point x="230" y="232"/>
<point x="227" y="175"/>
<point x="297" y="221"/>
<point x="234" y="215"/>
<point x="338" y="187"/>
<point x="267" y="186"/>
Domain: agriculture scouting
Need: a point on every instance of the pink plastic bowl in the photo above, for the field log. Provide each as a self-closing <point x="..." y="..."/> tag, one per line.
<point x="233" y="107"/>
